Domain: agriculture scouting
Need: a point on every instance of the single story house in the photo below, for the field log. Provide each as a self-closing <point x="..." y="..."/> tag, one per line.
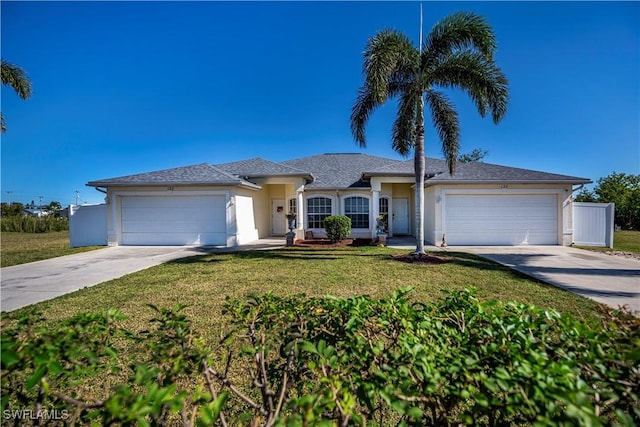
<point x="37" y="212"/>
<point x="234" y="203"/>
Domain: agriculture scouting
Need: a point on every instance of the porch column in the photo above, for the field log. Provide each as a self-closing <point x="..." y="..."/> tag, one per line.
<point x="375" y="200"/>
<point x="301" y="214"/>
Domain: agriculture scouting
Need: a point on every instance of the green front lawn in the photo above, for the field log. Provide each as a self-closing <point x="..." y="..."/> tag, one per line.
<point x="624" y="240"/>
<point x="203" y="282"/>
<point x="21" y="248"/>
<point x="627" y="240"/>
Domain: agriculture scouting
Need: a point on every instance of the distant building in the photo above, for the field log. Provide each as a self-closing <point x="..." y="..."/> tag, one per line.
<point x="37" y="212"/>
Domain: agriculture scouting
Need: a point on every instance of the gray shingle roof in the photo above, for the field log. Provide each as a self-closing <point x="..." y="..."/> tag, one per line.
<point x="479" y="172"/>
<point x="335" y="171"/>
<point x="406" y="168"/>
<point x="339" y="170"/>
<point x="258" y="167"/>
<point x="202" y="174"/>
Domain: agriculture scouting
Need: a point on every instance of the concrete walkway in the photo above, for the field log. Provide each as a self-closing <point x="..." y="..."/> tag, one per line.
<point x="27" y="284"/>
<point x="608" y="279"/>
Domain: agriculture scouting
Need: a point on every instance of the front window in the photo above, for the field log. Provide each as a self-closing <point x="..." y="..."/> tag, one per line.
<point x="293" y="207"/>
<point x="357" y="208"/>
<point x="318" y="208"/>
<point x="384" y="206"/>
<point x="383" y="218"/>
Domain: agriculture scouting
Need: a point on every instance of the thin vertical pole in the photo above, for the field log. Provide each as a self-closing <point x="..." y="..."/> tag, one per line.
<point x="420" y="27"/>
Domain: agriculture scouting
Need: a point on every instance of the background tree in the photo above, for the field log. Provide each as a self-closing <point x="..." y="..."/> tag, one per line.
<point x="12" y="209"/>
<point x="16" y="78"/>
<point x="458" y="53"/>
<point x="586" y="195"/>
<point x="621" y="189"/>
<point x="476" y="155"/>
<point x="54" y="208"/>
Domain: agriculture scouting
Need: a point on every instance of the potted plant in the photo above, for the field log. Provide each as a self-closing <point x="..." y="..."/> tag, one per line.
<point x="291" y="221"/>
<point x="382" y="225"/>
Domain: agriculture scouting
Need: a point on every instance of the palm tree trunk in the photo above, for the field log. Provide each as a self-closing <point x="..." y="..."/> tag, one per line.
<point x="419" y="168"/>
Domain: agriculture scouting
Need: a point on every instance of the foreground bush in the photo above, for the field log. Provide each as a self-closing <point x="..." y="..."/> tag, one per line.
<point x="32" y="224"/>
<point x="338" y="227"/>
<point x="334" y="361"/>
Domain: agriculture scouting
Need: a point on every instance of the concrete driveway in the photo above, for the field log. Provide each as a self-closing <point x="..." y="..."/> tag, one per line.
<point x="26" y="284"/>
<point x="608" y="279"/>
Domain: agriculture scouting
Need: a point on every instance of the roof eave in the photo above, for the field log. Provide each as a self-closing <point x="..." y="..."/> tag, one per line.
<point x="369" y="175"/>
<point x="309" y="177"/>
<point x="503" y="181"/>
<point x="173" y="184"/>
<point x="336" y="188"/>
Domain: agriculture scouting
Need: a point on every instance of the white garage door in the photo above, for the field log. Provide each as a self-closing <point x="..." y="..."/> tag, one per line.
<point x="503" y="219"/>
<point x="174" y="220"/>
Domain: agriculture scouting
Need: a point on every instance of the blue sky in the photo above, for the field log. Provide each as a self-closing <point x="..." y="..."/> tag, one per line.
<point x="129" y="87"/>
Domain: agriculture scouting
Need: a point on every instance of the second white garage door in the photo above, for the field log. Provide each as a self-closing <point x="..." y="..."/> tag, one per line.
<point x="174" y="220"/>
<point x="501" y="219"/>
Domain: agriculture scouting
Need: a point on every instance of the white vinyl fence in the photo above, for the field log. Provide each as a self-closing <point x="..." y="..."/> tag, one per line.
<point x="88" y="225"/>
<point x="593" y="224"/>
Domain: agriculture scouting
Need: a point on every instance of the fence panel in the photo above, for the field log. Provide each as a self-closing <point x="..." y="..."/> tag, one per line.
<point x="88" y="225"/>
<point x="593" y="224"/>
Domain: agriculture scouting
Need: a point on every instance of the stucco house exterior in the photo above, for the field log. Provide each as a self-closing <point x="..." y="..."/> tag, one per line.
<point x="234" y="203"/>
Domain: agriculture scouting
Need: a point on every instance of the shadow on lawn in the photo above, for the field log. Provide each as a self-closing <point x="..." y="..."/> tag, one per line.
<point x="473" y="261"/>
<point x="318" y="254"/>
<point x="278" y="254"/>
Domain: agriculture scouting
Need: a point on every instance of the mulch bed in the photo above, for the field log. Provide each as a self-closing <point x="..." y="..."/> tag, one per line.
<point x="408" y="258"/>
<point x="326" y="243"/>
<point x="422" y="259"/>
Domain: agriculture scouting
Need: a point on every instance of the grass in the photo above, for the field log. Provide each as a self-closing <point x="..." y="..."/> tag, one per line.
<point x="624" y="240"/>
<point x="21" y="248"/>
<point x="203" y="282"/>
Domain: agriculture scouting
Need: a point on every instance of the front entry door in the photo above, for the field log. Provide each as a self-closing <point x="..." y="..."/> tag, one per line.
<point x="400" y="216"/>
<point x="278" y="217"/>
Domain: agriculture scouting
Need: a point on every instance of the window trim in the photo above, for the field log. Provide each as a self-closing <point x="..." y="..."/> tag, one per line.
<point x="369" y="204"/>
<point x="295" y="202"/>
<point x="306" y="210"/>
<point x="389" y="211"/>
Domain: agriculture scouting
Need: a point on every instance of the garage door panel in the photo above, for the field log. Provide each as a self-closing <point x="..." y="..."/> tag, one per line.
<point x="485" y="219"/>
<point x="173" y="239"/>
<point x="161" y="227"/>
<point x="173" y="220"/>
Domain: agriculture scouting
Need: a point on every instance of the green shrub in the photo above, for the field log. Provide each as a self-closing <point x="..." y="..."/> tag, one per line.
<point x="32" y="224"/>
<point x="338" y="227"/>
<point x="337" y="361"/>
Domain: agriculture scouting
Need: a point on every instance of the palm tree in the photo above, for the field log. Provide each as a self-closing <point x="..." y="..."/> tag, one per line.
<point x="458" y="53"/>
<point x="15" y="77"/>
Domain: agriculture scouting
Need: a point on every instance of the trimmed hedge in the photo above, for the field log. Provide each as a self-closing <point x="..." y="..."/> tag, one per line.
<point x="338" y="227"/>
<point x="290" y="361"/>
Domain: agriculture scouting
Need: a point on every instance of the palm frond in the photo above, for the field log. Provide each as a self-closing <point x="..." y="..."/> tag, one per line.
<point x="461" y="30"/>
<point x="364" y="106"/>
<point x="15" y="77"/>
<point x="390" y="65"/>
<point x="403" y="136"/>
<point x="445" y="120"/>
<point x="484" y="82"/>
<point x="389" y="56"/>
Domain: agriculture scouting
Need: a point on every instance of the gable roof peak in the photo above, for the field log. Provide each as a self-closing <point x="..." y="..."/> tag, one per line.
<point x="259" y="167"/>
<point x="198" y="174"/>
